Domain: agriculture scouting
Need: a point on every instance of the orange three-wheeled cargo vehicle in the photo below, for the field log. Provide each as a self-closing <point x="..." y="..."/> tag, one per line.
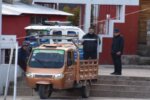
<point x="54" y="67"/>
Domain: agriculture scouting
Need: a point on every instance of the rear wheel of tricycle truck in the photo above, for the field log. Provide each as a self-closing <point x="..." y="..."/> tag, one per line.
<point x="85" y="90"/>
<point x="45" y="91"/>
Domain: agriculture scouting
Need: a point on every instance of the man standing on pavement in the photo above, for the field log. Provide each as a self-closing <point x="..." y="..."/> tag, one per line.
<point x="116" y="52"/>
<point x="90" y="44"/>
<point x="23" y="55"/>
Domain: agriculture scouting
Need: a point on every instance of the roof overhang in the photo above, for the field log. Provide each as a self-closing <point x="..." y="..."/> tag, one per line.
<point x="21" y="8"/>
<point x="6" y="11"/>
<point x="100" y="2"/>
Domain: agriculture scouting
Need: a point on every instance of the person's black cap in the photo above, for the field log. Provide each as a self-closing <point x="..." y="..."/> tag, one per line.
<point x="116" y="30"/>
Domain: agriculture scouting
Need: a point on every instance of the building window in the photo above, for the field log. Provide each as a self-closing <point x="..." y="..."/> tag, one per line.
<point x="6" y="54"/>
<point x="38" y="19"/>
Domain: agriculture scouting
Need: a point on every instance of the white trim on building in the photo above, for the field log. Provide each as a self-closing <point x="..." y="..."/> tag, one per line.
<point x="120" y="3"/>
<point x="120" y="14"/>
<point x="21" y="8"/>
<point x="100" y="2"/>
<point x="6" y="11"/>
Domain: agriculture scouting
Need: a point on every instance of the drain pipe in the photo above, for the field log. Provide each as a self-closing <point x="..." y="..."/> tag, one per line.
<point x="8" y="73"/>
<point x="15" y="73"/>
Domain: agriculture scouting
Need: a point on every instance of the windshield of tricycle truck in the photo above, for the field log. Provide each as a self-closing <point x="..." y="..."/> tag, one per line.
<point x="42" y="58"/>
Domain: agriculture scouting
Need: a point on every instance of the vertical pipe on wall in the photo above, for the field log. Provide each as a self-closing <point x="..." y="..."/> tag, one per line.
<point x="15" y="72"/>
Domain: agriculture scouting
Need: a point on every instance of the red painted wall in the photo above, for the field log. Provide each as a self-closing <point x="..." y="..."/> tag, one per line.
<point x="129" y="30"/>
<point x="57" y="18"/>
<point x="14" y="25"/>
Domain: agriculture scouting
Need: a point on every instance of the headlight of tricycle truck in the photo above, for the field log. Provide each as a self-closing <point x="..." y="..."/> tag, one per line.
<point x="58" y="76"/>
<point x="30" y="75"/>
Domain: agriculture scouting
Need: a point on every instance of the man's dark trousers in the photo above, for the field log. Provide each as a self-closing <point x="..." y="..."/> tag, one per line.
<point x="117" y="63"/>
<point x="90" y="55"/>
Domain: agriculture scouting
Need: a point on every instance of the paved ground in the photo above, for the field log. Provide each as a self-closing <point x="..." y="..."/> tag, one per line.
<point x="139" y="71"/>
<point x="68" y="98"/>
<point x="128" y="70"/>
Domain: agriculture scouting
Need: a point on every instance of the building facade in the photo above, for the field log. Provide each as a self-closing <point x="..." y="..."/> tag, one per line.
<point x="105" y="15"/>
<point x="19" y="15"/>
<point x="128" y="29"/>
<point x="144" y="22"/>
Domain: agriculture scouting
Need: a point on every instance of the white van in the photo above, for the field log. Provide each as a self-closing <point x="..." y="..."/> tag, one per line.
<point x="34" y="31"/>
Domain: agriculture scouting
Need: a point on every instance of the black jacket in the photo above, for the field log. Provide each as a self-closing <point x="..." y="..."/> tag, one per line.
<point x="22" y="57"/>
<point x="90" y="46"/>
<point x="117" y="44"/>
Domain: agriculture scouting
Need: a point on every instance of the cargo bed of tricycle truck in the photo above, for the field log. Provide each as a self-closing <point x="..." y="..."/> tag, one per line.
<point x="87" y="70"/>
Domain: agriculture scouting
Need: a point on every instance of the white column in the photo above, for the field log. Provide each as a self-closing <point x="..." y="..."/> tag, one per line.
<point x="87" y="18"/>
<point x="107" y="24"/>
<point x="57" y="6"/>
<point x="80" y="17"/>
<point x="0" y="17"/>
<point x="0" y="29"/>
<point x="96" y="14"/>
<point x="120" y="14"/>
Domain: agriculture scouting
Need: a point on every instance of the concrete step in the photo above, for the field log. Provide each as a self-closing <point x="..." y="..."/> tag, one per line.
<point x="120" y="88"/>
<point x="21" y="83"/>
<point x="131" y="83"/>
<point x="143" y="50"/>
<point x="29" y="92"/>
<point x="98" y="93"/>
<point x="107" y="86"/>
<point x="71" y="98"/>
<point x="135" y="60"/>
<point x="22" y="91"/>
<point x="130" y="59"/>
<point x="122" y="78"/>
<point x="144" y="61"/>
<point x="127" y="66"/>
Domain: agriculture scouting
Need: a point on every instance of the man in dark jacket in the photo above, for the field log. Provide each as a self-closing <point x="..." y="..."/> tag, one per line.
<point x="23" y="54"/>
<point x="116" y="52"/>
<point x="90" y="43"/>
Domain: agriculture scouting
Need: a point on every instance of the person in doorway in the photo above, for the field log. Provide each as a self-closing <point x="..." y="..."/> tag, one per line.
<point x="23" y="55"/>
<point x="90" y="44"/>
<point x="116" y="52"/>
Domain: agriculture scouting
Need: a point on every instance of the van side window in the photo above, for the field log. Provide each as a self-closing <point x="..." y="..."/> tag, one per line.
<point x="57" y="33"/>
<point x="71" y="33"/>
<point x="70" y="58"/>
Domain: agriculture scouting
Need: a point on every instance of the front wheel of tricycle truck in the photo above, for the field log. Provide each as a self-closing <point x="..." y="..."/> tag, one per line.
<point x="85" y="90"/>
<point x="45" y="91"/>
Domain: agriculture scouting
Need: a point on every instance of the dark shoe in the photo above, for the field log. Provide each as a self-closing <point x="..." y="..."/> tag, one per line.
<point x="117" y="73"/>
<point x="113" y="73"/>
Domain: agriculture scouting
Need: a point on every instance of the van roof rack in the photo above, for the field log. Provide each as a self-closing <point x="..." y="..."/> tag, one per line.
<point x="57" y="23"/>
<point x="60" y="37"/>
<point x="74" y="39"/>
